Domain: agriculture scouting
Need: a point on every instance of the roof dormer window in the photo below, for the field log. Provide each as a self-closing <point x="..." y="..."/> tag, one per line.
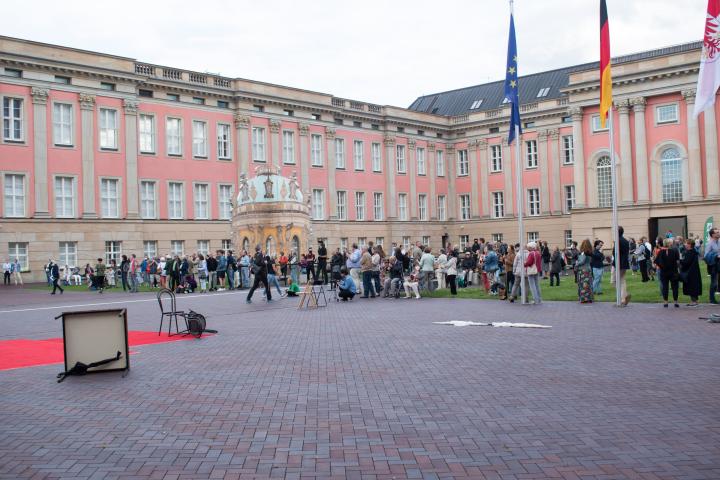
<point x="543" y="92"/>
<point x="476" y="104"/>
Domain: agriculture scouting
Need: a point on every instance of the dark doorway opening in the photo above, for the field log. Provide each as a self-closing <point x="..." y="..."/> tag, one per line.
<point x="661" y="226"/>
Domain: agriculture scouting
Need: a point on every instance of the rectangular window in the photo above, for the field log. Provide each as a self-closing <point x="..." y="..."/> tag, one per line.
<point x="496" y="160"/>
<point x="596" y="124"/>
<point x="360" y="206"/>
<point x="62" y="124"/>
<point x="440" y="159"/>
<point x="225" y="193"/>
<point x="402" y="206"/>
<point x="198" y="100"/>
<point x="464" y="241"/>
<point x="113" y="251"/>
<point x="318" y="204"/>
<point x="201" y="201"/>
<point x="224" y="145"/>
<point x="498" y="204"/>
<point x="531" y="154"/>
<point x="362" y="242"/>
<point x="13" y="72"/>
<point x="462" y="163"/>
<point x="175" y="200"/>
<point x="19" y="251"/>
<point x="148" y="199"/>
<point x="533" y="199"/>
<point x="109" y="198"/>
<point x="569" y="198"/>
<point x="64" y="197"/>
<point x="177" y="247"/>
<point x="199" y="139"/>
<point x="401" y="166"/>
<point x="343" y="244"/>
<point x="150" y="248"/>
<point x="289" y="113"/>
<point x="442" y="207"/>
<point x="426" y="241"/>
<point x="533" y="236"/>
<point x="223" y="104"/>
<point x="145" y="93"/>
<point x="107" y="86"/>
<point x="226" y="244"/>
<point x="376" y="157"/>
<point x="406" y="242"/>
<point x="146" y="130"/>
<point x="497" y="237"/>
<point x="108" y="129"/>
<point x="68" y="254"/>
<point x="380" y="241"/>
<point x="173" y="136"/>
<point x="422" y="207"/>
<point x="421" y="168"/>
<point x="63" y="80"/>
<point x="568" y="153"/>
<point x="203" y="247"/>
<point x="666" y="113"/>
<point x="378" y="206"/>
<point x="342" y="205"/>
<point x="288" y="147"/>
<point x="316" y="150"/>
<point x="568" y="238"/>
<point x="258" y="144"/>
<point x="358" y="155"/>
<point x="339" y="153"/>
<point x="13" y="119"/>
<point x="464" y="207"/>
<point x="174" y="97"/>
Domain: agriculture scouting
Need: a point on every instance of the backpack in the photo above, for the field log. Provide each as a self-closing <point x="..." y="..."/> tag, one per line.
<point x="711" y="257"/>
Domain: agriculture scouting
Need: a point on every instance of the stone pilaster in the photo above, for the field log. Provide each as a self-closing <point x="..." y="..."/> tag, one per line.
<point x="331" y="167"/>
<point x="451" y="167"/>
<point x="555" y="162"/>
<point x="87" y="116"/>
<point x="40" y="143"/>
<point x="641" y="160"/>
<point x="412" y="172"/>
<point x="695" y="176"/>
<point x="242" y="125"/>
<point x="131" y="157"/>
<point x="579" y="156"/>
<point x="275" y="142"/>
<point x="431" y="165"/>
<point x="712" y="178"/>
<point x="626" y="170"/>
<point x="304" y="161"/>
<point x="473" y="161"/>
<point x="390" y="189"/>
<point x="484" y="194"/>
<point x="544" y="172"/>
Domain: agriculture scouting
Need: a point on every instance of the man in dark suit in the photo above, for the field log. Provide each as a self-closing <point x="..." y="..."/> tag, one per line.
<point x="624" y="264"/>
<point x="55" y="276"/>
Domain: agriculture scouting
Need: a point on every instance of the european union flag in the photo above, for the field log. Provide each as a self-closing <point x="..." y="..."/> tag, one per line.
<point x="511" y="83"/>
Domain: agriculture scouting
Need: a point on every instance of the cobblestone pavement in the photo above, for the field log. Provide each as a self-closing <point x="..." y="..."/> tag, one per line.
<point x="372" y="390"/>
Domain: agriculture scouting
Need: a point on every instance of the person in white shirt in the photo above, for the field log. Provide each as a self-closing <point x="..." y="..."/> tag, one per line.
<point x="411" y="283"/>
<point x="440" y="271"/>
<point x="7" y="270"/>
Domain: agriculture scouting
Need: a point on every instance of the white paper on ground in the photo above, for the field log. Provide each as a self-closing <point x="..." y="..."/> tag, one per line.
<point x="465" y="323"/>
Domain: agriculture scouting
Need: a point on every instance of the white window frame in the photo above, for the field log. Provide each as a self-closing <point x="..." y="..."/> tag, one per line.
<point x="533" y="202"/>
<point x="464" y="241"/>
<point x="63" y="124"/>
<point x="318" y="204"/>
<point x="258" y="144"/>
<point x="358" y="155"/>
<point x="176" y="200"/>
<point x="498" y="204"/>
<point x="667" y="121"/>
<point x="568" y="238"/>
<point x="463" y="163"/>
<point x="113" y="251"/>
<point x="146" y="139"/>
<point x="341" y="205"/>
<point x="531" y="154"/>
<point x="442" y="207"/>
<point x="316" y="150"/>
<point x="568" y="145"/>
<point x="225" y="202"/>
<point x="421" y="163"/>
<point x="67" y="254"/>
<point x="177" y="247"/>
<point x="148" y="199"/>
<point x="406" y="242"/>
<point x="201" y="201"/>
<point x="378" y="206"/>
<point x="226" y="244"/>
<point x="110" y="207"/>
<point x="604" y="188"/>
<point x="150" y="248"/>
<point x="10" y="119"/>
<point x="174" y="142"/>
<point x="497" y="237"/>
<point x="199" y="139"/>
<point x="20" y="251"/>
<point x="402" y="207"/>
<point x="465" y="207"/>
<point x="422" y="207"/>
<point x="533" y="236"/>
<point x="288" y="152"/>
<point x="496" y="158"/>
<point x="376" y="157"/>
<point x="595" y="124"/>
<point x="440" y="163"/>
<point x="569" y="192"/>
<point x="400" y="159"/>
<point x="108" y="134"/>
<point x="203" y="247"/>
<point x="224" y="141"/>
<point x="64" y="196"/>
<point x="360" y="206"/>
<point x="340" y="153"/>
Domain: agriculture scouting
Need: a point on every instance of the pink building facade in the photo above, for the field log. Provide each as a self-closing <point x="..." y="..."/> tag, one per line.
<point x="102" y="155"/>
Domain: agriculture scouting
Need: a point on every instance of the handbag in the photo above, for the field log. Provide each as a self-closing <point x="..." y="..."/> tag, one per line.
<point x="532" y="269"/>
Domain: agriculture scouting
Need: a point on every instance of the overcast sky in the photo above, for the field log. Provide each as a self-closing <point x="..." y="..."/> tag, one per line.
<point x="384" y="52"/>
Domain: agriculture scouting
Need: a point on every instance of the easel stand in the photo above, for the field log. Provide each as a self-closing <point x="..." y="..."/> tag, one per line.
<point x="313" y="296"/>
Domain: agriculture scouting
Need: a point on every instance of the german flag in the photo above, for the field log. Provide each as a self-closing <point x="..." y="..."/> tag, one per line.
<point x="605" y="77"/>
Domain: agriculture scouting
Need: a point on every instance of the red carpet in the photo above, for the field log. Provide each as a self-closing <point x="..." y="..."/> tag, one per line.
<point x="30" y="353"/>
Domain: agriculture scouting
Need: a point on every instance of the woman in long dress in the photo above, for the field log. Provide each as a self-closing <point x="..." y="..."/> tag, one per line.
<point x="585" y="272"/>
<point x="690" y="273"/>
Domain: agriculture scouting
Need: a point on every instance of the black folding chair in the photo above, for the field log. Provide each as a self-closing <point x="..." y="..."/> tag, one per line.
<point x="168" y="308"/>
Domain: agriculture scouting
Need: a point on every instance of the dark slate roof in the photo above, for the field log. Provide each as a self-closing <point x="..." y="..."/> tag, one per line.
<point x="458" y="102"/>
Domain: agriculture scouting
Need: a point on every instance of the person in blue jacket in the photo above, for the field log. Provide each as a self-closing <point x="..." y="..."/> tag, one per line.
<point x="346" y="289"/>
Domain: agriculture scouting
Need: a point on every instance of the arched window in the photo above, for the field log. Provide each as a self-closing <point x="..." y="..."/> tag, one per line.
<point x="604" y="182"/>
<point x="246" y="244"/>
<point x="671" y="174"/>
<point x="270" y="246"/>
<point x="296" y="244"/>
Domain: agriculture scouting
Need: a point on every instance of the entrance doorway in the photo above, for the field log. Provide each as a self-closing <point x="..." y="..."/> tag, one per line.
<point x="445" y="240"/>
<point x="661" y="226"/>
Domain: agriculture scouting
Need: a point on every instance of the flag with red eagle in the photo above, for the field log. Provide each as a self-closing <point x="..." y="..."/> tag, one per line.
<point x="709" y="78"/>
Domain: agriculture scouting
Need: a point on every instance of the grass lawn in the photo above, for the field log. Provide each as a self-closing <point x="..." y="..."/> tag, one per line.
<point x="567" y="291"/>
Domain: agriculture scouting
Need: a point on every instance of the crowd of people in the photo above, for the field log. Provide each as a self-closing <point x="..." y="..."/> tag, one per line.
<point x="368" y="271"/>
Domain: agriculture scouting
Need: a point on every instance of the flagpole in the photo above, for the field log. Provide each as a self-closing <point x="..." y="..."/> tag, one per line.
<point x="615" y="233"/>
